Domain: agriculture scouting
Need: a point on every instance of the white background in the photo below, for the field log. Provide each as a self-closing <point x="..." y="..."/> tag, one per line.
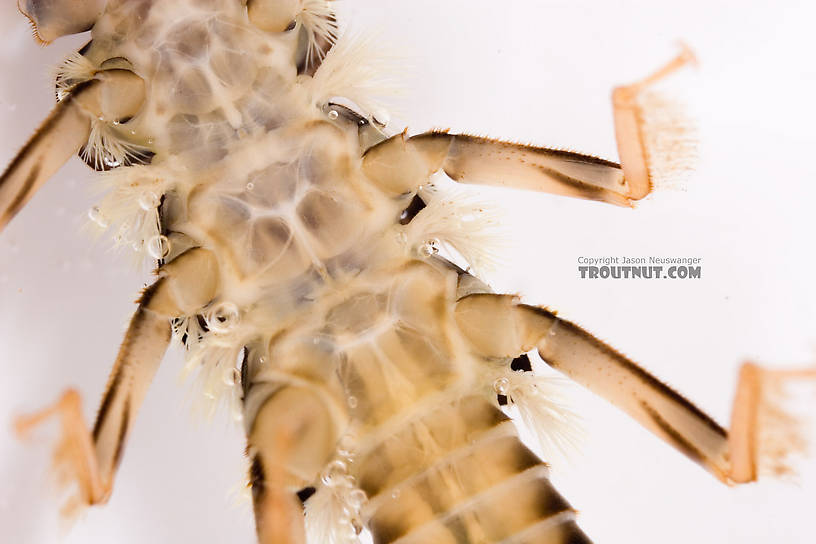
<point x="536" y="72"/>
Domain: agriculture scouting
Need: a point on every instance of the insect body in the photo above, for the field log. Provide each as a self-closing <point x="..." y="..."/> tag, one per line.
<point x="301" y="275"/>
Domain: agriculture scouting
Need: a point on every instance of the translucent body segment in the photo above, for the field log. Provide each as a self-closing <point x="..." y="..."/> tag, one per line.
<point x="438" y="478"/>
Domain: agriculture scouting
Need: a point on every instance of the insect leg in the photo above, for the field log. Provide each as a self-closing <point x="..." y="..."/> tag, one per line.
<point x="114" y="94"/>
<point x="400" y="164"/>
<point x="498" y="326"/>
<point x="291" y="438"/>
<point x="92" y="457"/>
<point x="55" y="18"/>
<point x="633" y="149"/>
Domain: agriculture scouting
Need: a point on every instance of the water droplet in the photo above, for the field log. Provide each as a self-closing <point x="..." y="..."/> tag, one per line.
<point x="223" y="317"/>
<point x="333" y="115"/>
<point x="116" y="122"/>
<point x="395" y="494"/>
<point x="262" y="359"/>
<point x="132" y="132"/>
<point x="96" y="215"/>
<point x="352" y="401"/>
<point x="428" y="248"/>
<point x="250" y="186"/>
<point x="149" y="200"/>
<point x="158" y="246"/>
<point x="501" y="385"/>
<point x="137" y="246"/>
<point x="150" y="140"/>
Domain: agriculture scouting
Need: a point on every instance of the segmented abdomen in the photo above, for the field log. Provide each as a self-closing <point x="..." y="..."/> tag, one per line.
<point x="425" y="439"/>
<point x="461" y="475"/>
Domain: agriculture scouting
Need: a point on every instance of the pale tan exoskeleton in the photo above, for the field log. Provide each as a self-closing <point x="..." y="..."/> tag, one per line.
<point x="324" y="323"/>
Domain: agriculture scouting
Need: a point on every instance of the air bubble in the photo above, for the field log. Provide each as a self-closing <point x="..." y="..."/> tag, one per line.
<point x="381" y="117"/>
<point x="262" y="359"/>
<point x="335" y="471"/>
<point x="333" y="115"/>
<point x="428" y="248"/>
<point x="250" y="186"/>
<point x="223" y="317"/>
<point x="149" y="201"/>
<point x="96" y="215"/>
<point x="501" y="386"/>
<point x="352" y="402"/>
<point x="158" y="246"/>
<point x="357" y="498"/>
<point x="395" y="494"/>
<point x="150" y="141"/>
<point x="345" y="446"/>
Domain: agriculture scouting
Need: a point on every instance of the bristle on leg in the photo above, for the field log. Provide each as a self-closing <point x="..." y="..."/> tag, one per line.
<point x="767" y="429"/>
